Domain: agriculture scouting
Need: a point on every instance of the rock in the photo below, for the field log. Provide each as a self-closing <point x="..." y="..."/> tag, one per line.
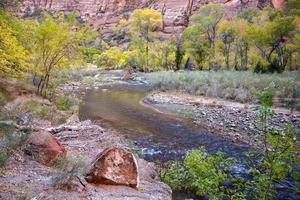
<point x="128" y="75"/>
<point x="73" y="118"/>
<point x="114" y="166"/>
<point x="44" y="147"/>
<point x="24" y="119"/>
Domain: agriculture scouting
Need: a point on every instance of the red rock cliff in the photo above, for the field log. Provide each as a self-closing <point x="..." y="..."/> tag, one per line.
<point x="105" y="14"/>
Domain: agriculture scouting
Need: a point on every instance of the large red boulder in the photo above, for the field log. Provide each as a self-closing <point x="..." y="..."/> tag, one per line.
<point x="114" y="166"/>
<point x="44" y="147"/>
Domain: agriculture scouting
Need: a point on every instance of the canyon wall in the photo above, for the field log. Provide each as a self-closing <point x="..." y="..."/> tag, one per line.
<point x="105" y="14"/>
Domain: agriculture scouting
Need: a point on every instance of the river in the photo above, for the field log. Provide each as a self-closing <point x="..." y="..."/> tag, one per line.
<point x="161" y="136"/>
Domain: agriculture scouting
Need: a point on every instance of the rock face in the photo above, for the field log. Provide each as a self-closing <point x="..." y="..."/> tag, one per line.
<point x="105" y="14"/>
<point x="114" y="166"/>
<point x="278" y="3"/>
<point x="44" y="147"/>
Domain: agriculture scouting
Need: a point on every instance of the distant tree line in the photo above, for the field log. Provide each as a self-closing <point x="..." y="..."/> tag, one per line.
<point x="265" y="40"/>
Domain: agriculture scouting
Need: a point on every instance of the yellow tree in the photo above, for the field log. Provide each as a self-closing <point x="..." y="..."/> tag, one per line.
<point x="13" y="55"/>
<point x="56" y="46"/>
<point x="142" y="25"/>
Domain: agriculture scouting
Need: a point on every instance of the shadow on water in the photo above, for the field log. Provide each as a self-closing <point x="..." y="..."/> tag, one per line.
<point x="162" y="137"/>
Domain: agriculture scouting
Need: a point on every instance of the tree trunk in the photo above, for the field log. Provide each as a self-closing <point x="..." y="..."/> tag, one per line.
<point x="246" y="58"/>
<point x="43" y="84"/>
<point x="33" y="79"/>
<point x="227" y="56"/>
<point x="147" y="48"/>
<point x="46" y="85"/>
<point x="39" y="85"/>
<point x="236" y="56"/>
<point x="147" y="53"/>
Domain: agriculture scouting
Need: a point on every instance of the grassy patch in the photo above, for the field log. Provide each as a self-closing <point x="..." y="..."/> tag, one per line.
<point x="185" y="112"/>
<point x="65" y="102"/>
<point x="4" y="96"/>
<point x="71" y="168"/>
<point x="231" y="85"/>
<point x="10" y="139"/>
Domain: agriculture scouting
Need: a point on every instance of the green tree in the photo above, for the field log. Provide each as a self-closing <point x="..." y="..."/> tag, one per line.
<point x="242" y="47"/>
<point x="208" y="17"/>
<point x="292" y="8"/>
<point x="142" y="25"/>
<point x="179" y="54"/>
<point x="270" y="36"/>
<point x="227" y="34"/>
<point x="9" y="3"/>
<point x="195" y="45"/>
<point x="248" y="14"/>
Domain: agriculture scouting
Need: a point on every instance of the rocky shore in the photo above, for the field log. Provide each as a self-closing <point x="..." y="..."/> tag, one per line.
<point x="79" y="143"/>
<point x="237" y="122"/>
<point x="24" y="177"/>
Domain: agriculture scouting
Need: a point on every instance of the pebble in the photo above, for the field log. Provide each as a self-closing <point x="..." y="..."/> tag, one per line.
<point x="244" y="122"/>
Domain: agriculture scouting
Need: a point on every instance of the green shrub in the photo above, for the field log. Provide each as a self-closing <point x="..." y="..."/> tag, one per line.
<point x="65" y="102"/>
<point x="174" y="176"/>
<point x="232" y="85"/>
<point x="36" y="108"/>
<point x="72" y="167"/>
<point x="4" y="96"/>
<point x="3" y="158"/>
<point x="3" y="99"/>
<point x="279" y="156"/>
<point x="202" y="173"/>
<point x="11" y="139"/>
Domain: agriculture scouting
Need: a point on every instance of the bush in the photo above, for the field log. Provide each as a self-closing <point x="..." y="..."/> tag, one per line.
<point x="202" y="173"/>
<point x="72" y="167"/>
<point x="3" y="158"/>
<point x="4" y="96"/>
<point x="36" y="109"/>
<point x="11" y="139"/>
<point x="65" y="102"/>
<point x="174" y="176"/>
<point x="232" y="85"/>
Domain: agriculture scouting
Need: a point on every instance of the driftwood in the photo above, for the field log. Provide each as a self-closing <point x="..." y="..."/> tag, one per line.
<point x="55" y="130"/>
<point x="12" y="123"/>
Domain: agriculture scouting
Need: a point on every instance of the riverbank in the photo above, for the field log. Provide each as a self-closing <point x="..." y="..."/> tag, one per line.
<point x="22" y="177"/>
<point x="235" y="121"/>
